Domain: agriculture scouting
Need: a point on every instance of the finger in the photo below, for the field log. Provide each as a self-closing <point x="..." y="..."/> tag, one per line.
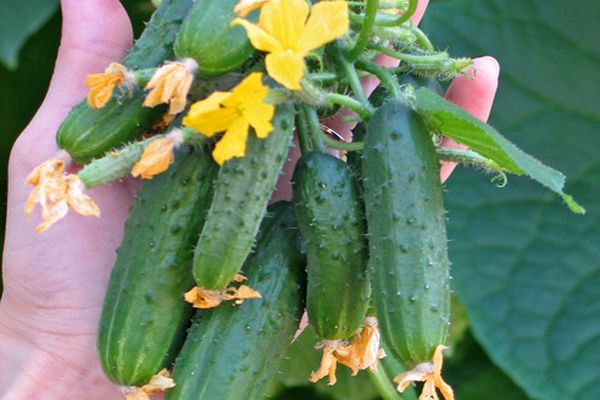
<point x="94" y="33"/>
<point x="475" y="95"/>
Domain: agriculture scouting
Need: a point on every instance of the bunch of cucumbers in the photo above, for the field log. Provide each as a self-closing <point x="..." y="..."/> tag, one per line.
<point x="363" y="236"/>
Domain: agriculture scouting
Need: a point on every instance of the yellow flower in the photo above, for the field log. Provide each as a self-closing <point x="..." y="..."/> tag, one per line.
<point x="157" y="156"/>
<point x="56" y="192"/>
<point x="365" y="348"/>
<point x="245" y="7"/>
<point x="102" y="85"/>
<point x="233" y="113"/>
<point x="157" y="384"/>
<point x="171" y="84"/>
<point x="201" y="298"/>
<point x="287" y="32"/>
<point x="431" y="374"/>
<point x="333" y="350"/>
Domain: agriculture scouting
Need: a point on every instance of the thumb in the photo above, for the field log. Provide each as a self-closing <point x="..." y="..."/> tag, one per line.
<point x="94" y="33"/>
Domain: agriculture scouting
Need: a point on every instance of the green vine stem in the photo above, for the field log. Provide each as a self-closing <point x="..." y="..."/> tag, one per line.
<point x="382" y="383"/>
<point x="301" y="130"/>
<point x="314" y="127"/>
<point x="350" y="103"/>
<point x="348" y="70"/>
<point x="473" y="159"/>
<point x="384" y="75"/>
<point x="365" y="31"/>
<point x="345" y="146"/>
<point x="410" y="11"/>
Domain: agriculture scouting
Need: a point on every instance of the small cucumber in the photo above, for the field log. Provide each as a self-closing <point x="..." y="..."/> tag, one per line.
<point x="408" y="264"/>
<point x="208" y="37"/>
<point x="329" y="211"/>
<point x="242" y="190"/>
<point x="145" y="316"/>
<point x="89" y="133"/>
<point x="232" y="352"/>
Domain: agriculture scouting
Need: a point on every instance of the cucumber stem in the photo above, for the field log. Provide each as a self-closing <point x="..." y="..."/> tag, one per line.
<point x="382" y="383"/>
<point x="352" y="77"/>
<point x="314" y="127"/>
<point x="301" y="131"/>
<point x="410" y="11"/>
<point x="352" y="104"/>
<point x="346" y="146"/>
<point x="386" y="78"/>
<point x="365" y="31"/>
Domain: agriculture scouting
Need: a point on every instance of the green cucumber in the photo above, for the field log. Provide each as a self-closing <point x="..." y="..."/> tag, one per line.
<point x="232" y="352"/>
<point x="208" y="37"/>
<point x="144" y="315"/>
<point x="408" y="264"/>
<point x="242" y="190"/>
<point x="329" y="211"/>
<point x="89" y="133"/>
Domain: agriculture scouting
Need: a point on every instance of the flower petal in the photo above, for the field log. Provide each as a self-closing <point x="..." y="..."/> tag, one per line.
<point x="80" y="202"/>
<point x="284" y="20"/>
<point x="286" y="67"/>
<point x="197" y="115"/>
<point x="233" y="142"/>
<point x="259" y="38"/>
<point x="245" y="7"/>
<point x="215" y="121"/>
<point x="328" y="20"/>
<point x="156" y="158"/>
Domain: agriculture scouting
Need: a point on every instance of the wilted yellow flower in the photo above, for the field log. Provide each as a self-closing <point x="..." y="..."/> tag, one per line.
<point x="56" y="192"/>
<point x="233" y="113"/>
<point x="103" y="84"/>
<point x="333" y="350"/>
<point x="157" y="384"/>
<point x="201" y="298"/>
<point x="287" y="32"/>
<point x="157" y="156"/>
<point x="245" y="7"/>
<point x="171" y="84"/>
<point x="431" y="374"/>
<point x="365" y="348"/>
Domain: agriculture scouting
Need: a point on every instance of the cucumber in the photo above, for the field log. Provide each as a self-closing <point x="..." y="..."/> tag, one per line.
<point x="232" y="352"/>
<point x="89" y="133"/>
<point x="208" y="37"/>
<point x="408" y="264"/>
<point x="329" y="212"/>
<point x="242" y="190"/>
<point x="144" y="317"/>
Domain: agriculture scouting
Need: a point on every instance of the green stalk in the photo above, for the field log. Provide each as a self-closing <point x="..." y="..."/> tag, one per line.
<point x="383" y="384"/>
<point x="301" y="131"/>
<point x="365" y="31"/>
<point x="384" y="75"/>
<point x="410" y="11"/>
<point x="314" y="127"/>
<point x="345" y="146"/>
<point x="348" y="102"/>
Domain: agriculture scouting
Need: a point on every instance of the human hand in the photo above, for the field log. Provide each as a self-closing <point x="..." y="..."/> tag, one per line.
<point x="55" y="283"/>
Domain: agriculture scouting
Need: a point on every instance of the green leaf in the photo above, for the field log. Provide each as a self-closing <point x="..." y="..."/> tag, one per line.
<point x="448" y="119"/>
<point x="18" y="21"/>
<point x="527" y="270"/>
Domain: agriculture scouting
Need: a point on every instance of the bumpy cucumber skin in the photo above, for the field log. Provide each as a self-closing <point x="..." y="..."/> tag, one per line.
<point x="89" y="133"/>
<point x="145" y="316"/>
<point x="329" y="212"/>
<point x="208" y="37"/>
<point x="232" y="352"/>
<point x="242" y="190"/>
<point x="408" y="264"/>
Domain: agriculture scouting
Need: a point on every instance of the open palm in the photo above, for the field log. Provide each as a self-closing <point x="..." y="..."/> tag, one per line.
<point x="54" y="282"/>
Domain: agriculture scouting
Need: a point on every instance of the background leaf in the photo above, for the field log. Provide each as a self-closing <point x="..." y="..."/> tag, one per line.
<point x="19" y="19"/>
<point x="526" y="269"/>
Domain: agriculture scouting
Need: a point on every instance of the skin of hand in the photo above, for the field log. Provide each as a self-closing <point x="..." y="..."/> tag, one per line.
<point x="54" y="283"/>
